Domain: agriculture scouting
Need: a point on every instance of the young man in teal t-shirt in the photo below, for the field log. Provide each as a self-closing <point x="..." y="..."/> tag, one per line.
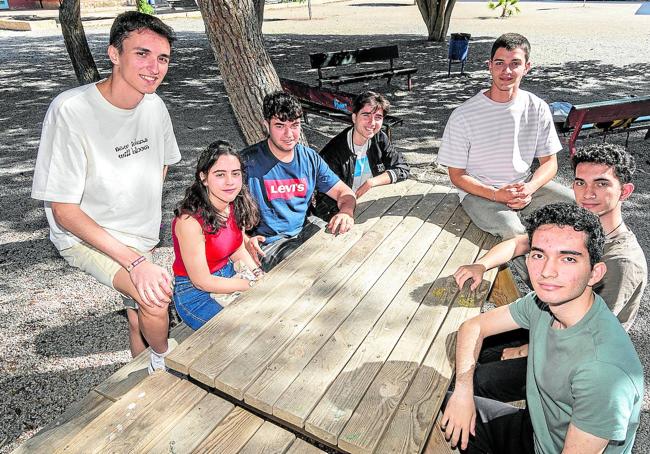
<point x="584" y="380"/>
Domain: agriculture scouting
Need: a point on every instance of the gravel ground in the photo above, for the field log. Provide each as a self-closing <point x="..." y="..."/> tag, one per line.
<point x="62" y="333"/>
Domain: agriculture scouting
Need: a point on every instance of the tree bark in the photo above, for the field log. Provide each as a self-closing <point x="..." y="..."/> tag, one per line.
<point x="246" y="69"/>
<point x="437" y="16"/>
<point x="76" y="44"/>
<point x="259" y="10"/>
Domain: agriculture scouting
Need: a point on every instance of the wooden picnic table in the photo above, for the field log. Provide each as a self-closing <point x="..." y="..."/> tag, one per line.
<point x="351" y="340"/>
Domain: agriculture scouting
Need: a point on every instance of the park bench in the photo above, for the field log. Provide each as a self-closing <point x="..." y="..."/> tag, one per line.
<point x="607" y="117"/>
<point x="335" y="105"/>
<point x="332" y="60"/>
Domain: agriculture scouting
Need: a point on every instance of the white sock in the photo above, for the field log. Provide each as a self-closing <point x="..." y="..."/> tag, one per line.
<point x="157" y="360"/>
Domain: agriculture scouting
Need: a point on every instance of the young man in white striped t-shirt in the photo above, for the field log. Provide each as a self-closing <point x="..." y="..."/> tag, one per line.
<point x="491" y="140"/>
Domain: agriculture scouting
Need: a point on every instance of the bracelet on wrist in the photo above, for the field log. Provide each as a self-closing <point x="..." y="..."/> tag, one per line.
<point x="135" y="263"/>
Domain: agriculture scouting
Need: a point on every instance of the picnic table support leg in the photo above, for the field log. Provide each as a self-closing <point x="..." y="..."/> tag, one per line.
<point x="409" y="82"/>
<point x="462" y="67"/>
<point x="449" y="69"/>
<point x="576" y="132"/>
<point x="504" y="291"/>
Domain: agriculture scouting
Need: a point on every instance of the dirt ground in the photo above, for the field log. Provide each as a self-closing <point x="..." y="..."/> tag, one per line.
<point x="62" y="333"/>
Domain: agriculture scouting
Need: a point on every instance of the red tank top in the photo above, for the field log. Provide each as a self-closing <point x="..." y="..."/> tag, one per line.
<point x="219" y="246"/>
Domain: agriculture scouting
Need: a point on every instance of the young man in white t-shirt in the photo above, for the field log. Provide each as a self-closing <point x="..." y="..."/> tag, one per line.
<point x="491" y="141"/>
<point x="104" y="152"/>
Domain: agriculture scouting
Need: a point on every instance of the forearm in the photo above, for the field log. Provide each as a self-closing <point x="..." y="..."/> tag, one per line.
<point x="468" y="346"/>
<point x="215" y="284"/>
<point x="471" y="185"/>
<point x="544" y="173"/>
<point x="504" y="252"/>
<point x="242" y="255"/>
<point x="381" y="179"/>
<point x="346" y="204"/>
<point x="72" y="218"/>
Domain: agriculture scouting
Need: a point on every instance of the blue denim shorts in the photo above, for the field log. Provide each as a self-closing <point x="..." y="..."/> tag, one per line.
<point x="194" y="306"/>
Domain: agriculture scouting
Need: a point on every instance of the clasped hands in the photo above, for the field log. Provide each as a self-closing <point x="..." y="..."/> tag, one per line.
<point x="515" y="195"/>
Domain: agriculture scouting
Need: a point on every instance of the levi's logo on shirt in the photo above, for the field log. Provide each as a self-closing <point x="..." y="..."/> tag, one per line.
<point x="286" y="189"/>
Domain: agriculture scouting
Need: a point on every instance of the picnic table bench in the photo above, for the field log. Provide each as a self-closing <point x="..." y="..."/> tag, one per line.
<point x="614" y="116"/>
<point x="335" y="105"/>
<point x="330" y="60"/>
<point x="351" y="340"/>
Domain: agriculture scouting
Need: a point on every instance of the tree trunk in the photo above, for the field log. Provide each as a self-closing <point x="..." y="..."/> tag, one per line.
<point x="437" y="16"/>
<point x="259" y="10"/>
<point x="75" y="42"/>
<point x="248" y="74"/>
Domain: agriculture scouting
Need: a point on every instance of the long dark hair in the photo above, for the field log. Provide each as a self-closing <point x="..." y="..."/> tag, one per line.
<point x="197" y="202"/>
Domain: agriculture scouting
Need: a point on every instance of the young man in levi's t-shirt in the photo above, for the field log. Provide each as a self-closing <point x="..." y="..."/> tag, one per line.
<point x="282" y="175"/>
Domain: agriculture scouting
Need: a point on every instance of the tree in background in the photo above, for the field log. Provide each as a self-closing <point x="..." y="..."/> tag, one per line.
<point x="509" y="7"/>
<point x="436" y="15"/>
<point x="76" y="44"/>
<point x="235" y="35"/>
<point x="144" y="7"/>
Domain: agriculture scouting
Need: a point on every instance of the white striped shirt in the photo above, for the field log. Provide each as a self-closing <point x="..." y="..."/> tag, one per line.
<point x="495" y="142"/>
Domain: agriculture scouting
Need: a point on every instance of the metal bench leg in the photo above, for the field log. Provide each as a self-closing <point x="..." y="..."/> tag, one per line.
<point x="449" y="69"/>
<point x="409" y="82"/>
<point x="462" y="68"/>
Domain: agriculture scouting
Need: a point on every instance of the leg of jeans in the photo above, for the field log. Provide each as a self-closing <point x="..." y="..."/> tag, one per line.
<point x="504" y="381"/>
<point x="500" y="428"/>
<point x="493" y="217"/>
<point x="493" y="345"/>
<point x="284" y="247"/>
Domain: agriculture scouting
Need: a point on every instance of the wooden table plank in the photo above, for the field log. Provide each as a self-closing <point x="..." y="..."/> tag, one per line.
<point x="412" y="423"/>
<point x="302" y="447"/>
<point x="335" y="408"/>
<point x="284" y="369"/>
<point x="373" y="414"/>
<point x="56" y="435"/>
<point x="269" y="439"/>
<point x="281" y="279"/>
<point x="116" y="418"/>
<point x="235" y="336"/>
<point x="156" y="419"/>
<point x="231" y="434"/>
<point x="350" y="278"/>
<point x="190" y="431"/>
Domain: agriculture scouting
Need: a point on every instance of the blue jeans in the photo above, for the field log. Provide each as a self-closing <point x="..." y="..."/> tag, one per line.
<point x="195" y="307"/>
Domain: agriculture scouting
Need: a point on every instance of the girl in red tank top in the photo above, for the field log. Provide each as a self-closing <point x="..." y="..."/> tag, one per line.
<point x="208" y="235"/>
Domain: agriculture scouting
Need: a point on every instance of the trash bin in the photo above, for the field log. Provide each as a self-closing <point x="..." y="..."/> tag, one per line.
<point x="458" y="50"/>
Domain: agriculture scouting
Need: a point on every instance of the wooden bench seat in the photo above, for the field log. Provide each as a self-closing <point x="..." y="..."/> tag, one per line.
<point x="164" y="414"/>
<point x="330" y="60"/>
<point x="608" y="116"/>
<point x="335" y="105"/>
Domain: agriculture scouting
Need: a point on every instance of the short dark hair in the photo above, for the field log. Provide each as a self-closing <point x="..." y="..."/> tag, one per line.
<point x="376" y="100"/>
<point x="131" y="21"/>
<point x="609" y="154"/>
<point x="570" y="214"/>
<point x="281" y="105"/>
<point x="511" y="41"/>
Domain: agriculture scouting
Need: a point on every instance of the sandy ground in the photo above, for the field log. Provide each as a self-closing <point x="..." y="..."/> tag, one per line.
<point x="62" y="333"/>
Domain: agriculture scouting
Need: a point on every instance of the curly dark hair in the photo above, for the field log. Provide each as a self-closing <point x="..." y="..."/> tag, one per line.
<point x="511" y="41"/>
<point x="373" y="98"/>
<point x="281" y="105"/>
<point x="130" y="21"/>
<point x="196" y="200"/>
<point x="609" y="154"/>
<point x="570" y="214"/>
